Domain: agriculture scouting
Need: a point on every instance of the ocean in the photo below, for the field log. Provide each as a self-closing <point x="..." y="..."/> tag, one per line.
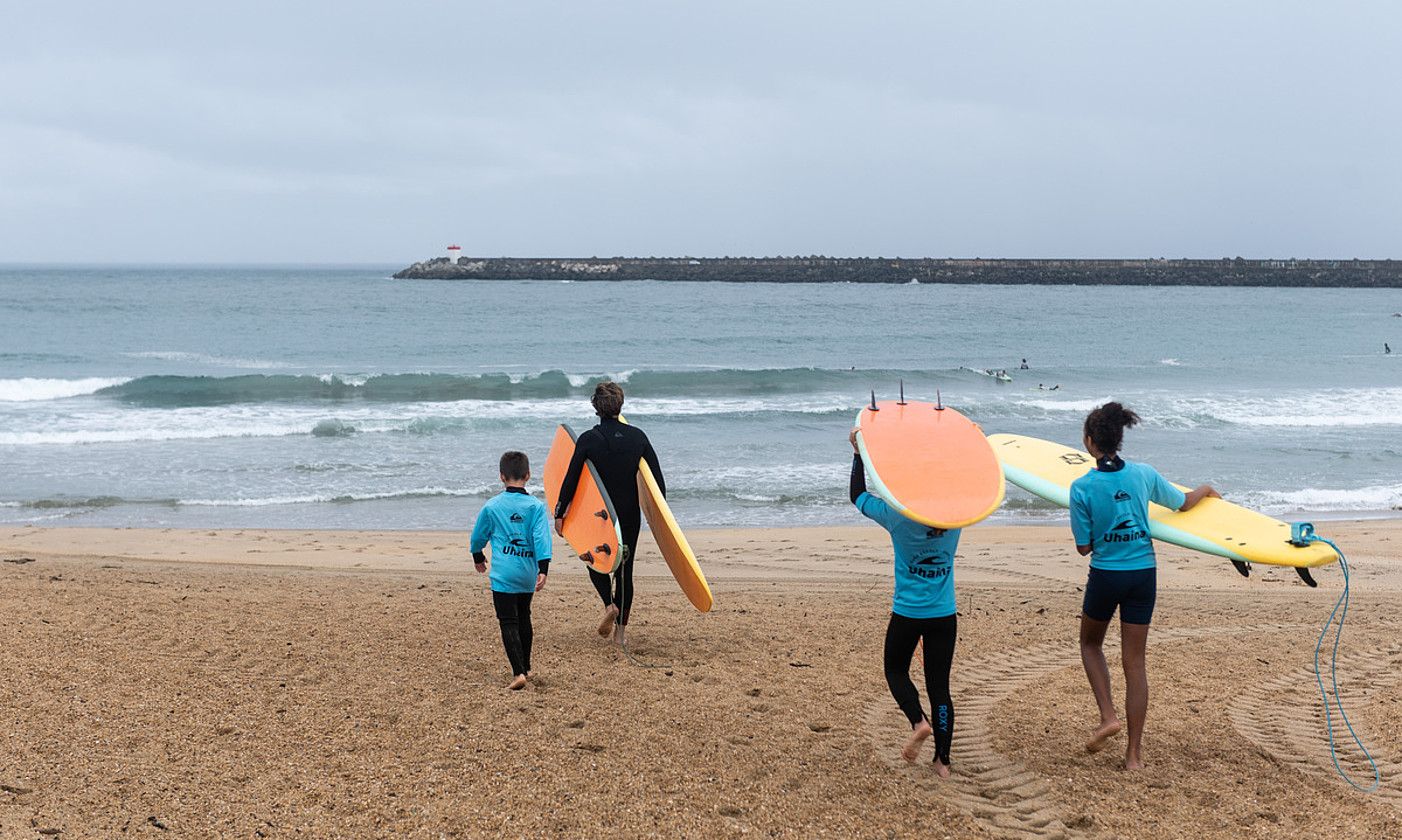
<point x="302" y="397"/>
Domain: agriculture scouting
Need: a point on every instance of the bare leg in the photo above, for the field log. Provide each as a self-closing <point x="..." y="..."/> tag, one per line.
<point x="1098" y="672"/>
<point x="1134" y="638"/>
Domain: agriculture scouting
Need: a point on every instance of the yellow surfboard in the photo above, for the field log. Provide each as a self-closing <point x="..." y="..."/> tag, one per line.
<point x="670" y="539"/>
<point x="1213" y="526"/>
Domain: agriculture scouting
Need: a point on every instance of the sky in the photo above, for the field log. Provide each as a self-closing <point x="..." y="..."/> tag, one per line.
<point x="358" y="132"/>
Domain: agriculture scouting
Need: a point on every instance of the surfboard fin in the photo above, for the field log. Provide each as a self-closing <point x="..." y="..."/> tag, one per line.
<point x="1243" y="568"/>
<point x="1305" y="576"/>
<point x="873" y="401"/>
<point x="902" y="402"/>
<point x="939" y="402"/>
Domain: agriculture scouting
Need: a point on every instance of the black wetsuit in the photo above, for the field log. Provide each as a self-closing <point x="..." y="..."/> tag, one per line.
<point x="614" y="448"/>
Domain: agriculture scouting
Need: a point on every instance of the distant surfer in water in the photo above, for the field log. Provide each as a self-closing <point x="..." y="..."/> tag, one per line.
<point x="1110" y="521"/>
<point x="1023" y="366"/>
<point x="614" y="448"/>
<point x="922" y="609"/>
<point x="1387" y="350"/>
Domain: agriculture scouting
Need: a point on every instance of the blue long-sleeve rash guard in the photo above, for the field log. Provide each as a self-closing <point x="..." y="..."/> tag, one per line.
<point x="517" y="526"/>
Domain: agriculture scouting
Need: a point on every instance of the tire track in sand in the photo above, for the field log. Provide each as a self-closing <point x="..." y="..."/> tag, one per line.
<point x="1284" y="718"/>
<point x="1007" y="798"/>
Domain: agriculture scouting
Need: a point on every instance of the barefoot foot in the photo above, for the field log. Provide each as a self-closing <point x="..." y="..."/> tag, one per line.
<point x="606" y="624"/>
<point x="518" y="683"/>
<point x="1101" y="735"/>
<point x="911" y="750"/>
<point x="1133" y="762"/>
<point x="941" y="769"/>
<point x="618" y="635"/>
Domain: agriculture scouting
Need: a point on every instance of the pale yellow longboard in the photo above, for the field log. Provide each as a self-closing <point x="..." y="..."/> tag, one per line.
<point x="1213" y="526"/>
<point x="670" y="539"/>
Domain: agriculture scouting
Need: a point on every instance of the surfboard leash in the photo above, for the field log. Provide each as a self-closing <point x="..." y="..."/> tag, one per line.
<point x="638" y="662"/>
<point x="1307" y="535"/>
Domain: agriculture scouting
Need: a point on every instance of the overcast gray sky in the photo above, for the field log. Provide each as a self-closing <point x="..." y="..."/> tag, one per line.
<point x="351" y="132"/>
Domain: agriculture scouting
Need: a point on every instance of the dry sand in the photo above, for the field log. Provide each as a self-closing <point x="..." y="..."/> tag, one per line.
<point x="337" y="684"/>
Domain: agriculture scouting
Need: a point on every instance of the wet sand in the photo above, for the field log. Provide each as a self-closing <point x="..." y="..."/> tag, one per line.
<point x="346" y="684"/>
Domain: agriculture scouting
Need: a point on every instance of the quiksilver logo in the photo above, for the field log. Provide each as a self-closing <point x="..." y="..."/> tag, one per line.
<point x="516" y="517"/>
<point x="1121" y="496"/>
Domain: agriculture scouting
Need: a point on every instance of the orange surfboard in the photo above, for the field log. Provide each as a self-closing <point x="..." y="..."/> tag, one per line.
<point x="591" y="526"/>
<point x="930" y="463"/>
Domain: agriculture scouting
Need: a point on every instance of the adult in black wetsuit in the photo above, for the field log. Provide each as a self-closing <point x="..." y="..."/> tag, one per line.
<point x="614" y="448"/>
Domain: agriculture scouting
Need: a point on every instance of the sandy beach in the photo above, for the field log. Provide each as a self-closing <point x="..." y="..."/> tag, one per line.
<point x="161" y="683"/>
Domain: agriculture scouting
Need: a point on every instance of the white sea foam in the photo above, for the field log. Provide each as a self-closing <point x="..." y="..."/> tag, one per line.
<point x="1171" y="362"/>
<point x="355" y="380"/>
<point x="205" y="359"/>
<point x="1329" y="408"/>
<point x="339" y="498"/>
<point x="1372" y="498"/>
<point x="34" y="390"/>
<point x="1067" y="405"/>
<point x="579" y="380"/>
<point x="264" y="420"/>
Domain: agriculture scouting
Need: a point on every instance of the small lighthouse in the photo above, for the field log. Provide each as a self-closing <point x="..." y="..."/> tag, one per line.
<point x="454" y="252"/>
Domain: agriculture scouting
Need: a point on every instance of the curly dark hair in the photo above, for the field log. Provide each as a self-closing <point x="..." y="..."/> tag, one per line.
<point x="1105" y="426"/>
<point x="607" y="399"/>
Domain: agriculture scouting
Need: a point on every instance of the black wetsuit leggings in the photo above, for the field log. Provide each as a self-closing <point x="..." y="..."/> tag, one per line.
<point x="902" y="634"/>
<point x="514" y="613"/>
<point x="620" y="590"/>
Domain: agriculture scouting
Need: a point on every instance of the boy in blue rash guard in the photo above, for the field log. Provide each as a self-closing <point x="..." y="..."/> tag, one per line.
<point x="517" y="527"/>
<point x="1110" y="521"/>
<point x="922" y="607"/>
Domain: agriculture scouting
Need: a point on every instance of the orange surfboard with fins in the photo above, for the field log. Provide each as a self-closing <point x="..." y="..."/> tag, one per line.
<point x="929" y="462"/>
<point x="591" y="526"/>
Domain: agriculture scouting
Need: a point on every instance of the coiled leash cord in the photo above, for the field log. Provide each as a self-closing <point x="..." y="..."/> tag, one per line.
<point x="1302" y="533"/>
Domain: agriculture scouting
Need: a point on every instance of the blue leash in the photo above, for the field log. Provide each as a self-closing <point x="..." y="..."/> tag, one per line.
<point x="1304" y="533"/>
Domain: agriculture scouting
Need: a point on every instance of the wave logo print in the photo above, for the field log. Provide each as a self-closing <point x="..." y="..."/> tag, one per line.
<point x="1121" y="496"/>
<point x="930" y="566"/>
<point x="516" y="517"/>
<point x="1127" y="530"/>
<point x="518" y="547"/>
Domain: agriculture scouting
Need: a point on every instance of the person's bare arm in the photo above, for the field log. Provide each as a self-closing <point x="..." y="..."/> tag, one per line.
<point x="1193" y="497"/>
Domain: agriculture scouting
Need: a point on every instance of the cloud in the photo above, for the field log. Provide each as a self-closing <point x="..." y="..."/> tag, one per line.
<point x="163" y="131"/>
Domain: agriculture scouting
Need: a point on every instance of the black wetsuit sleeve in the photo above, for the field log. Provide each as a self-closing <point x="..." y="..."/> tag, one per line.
<point x="858" y="483"/>
<point x="479" y="558"/>
<point x="544" y="567"/>
<point x="571" y="481"/>
<point x="650" y="457"/>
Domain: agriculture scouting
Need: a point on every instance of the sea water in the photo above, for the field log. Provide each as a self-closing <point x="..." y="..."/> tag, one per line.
<point x="341" y="398"/>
